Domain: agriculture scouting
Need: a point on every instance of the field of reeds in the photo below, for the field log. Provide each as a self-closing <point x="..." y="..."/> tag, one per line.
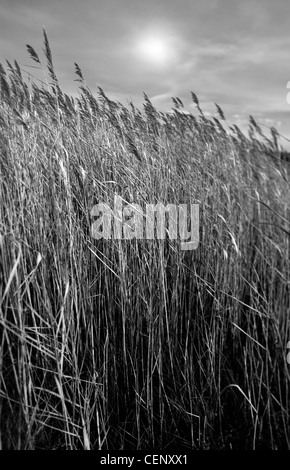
<point x="136" y="344"/>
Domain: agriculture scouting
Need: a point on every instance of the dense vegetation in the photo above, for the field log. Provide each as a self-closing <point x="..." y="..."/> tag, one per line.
<point x="135" y="344"/>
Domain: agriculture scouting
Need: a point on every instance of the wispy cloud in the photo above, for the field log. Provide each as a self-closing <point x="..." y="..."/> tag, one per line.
<point x="230" y="52"/>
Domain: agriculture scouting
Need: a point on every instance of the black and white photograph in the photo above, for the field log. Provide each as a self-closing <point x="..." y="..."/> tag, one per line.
<point x="145" y="228"/>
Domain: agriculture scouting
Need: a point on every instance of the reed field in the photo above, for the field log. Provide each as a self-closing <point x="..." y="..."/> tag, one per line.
<point x="137" y="344"/>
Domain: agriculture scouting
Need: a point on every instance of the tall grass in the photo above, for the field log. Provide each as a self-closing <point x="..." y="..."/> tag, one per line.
<point x="135" y="344"/>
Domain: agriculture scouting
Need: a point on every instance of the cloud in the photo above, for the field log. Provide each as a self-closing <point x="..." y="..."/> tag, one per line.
<point x="226" y="51"/>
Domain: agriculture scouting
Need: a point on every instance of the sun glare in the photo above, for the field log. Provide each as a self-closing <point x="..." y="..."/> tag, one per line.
<point x="154" y="49"/>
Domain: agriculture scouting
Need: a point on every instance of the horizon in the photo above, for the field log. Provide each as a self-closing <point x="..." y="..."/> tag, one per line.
<point x="235" y="55"/>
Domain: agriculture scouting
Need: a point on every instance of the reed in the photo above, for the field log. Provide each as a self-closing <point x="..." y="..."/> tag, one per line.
<point x="135" y="344"/>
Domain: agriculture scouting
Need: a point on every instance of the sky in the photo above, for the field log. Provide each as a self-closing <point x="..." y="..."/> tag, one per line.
<point x="230" y="52"/>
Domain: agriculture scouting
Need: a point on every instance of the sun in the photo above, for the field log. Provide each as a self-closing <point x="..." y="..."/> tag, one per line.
<point x="154" y="49"/>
